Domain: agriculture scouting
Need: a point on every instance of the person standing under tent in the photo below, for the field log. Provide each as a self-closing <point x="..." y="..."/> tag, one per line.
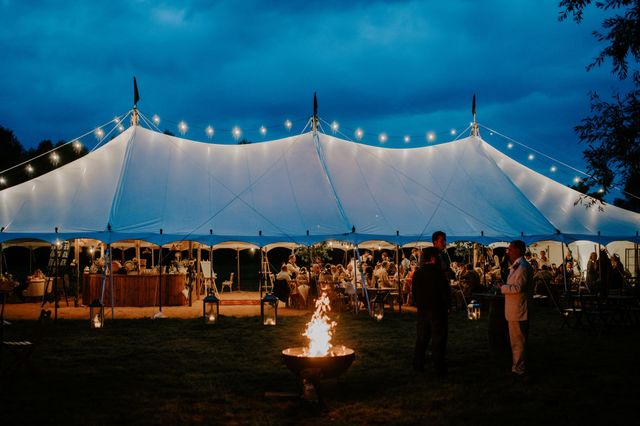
<point x="405" y="265"/>
<point x="416" y="257"/>
<point x="592" y="270"/>
<point x="439" y="240"/>
<point x="543" y="260"/>
<point x="292" y="267"/>
<point x="516" y="312"/>
<point x="432" y="296"/>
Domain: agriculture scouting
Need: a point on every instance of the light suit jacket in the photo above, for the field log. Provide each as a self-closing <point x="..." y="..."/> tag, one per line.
<point x="516" y="290"/>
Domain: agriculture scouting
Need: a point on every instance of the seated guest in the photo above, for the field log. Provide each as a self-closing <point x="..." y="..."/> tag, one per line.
<point x="540" y="278"/>
<point x="281" y="286"/>
<point x="472" y="280"/>
<point x="292" y="267"/>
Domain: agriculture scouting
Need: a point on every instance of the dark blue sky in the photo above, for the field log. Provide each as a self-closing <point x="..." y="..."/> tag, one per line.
<point x="395" y="67"/>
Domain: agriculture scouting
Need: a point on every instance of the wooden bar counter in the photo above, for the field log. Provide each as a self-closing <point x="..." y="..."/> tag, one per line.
<point x="135" y="290"/>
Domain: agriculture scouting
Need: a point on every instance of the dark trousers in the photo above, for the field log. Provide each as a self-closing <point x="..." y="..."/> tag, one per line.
<point x="434" y="327"/>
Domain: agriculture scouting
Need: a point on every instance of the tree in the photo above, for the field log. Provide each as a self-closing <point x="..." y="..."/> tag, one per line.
<point x="10" y="148"/>
<point x="612" y="131"/>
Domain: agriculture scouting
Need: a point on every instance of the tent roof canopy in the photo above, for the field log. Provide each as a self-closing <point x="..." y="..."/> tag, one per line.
<point x="303" y="189"/>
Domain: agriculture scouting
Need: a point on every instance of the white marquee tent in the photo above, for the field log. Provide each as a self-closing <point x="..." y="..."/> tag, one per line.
<point x="307" y="188"/>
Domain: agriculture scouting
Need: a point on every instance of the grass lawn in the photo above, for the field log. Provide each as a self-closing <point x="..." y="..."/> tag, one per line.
<point x="180" y="371"/>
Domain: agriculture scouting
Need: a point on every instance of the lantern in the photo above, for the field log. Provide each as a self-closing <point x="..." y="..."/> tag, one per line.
<point x="473" y="310"/>
<point x="269" y="309"/>
<point x="210" y="308"/>
<point x="96" y="314"/>
<point x="378" y="307"/>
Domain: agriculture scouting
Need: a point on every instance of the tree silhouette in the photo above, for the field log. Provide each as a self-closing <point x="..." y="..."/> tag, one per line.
<point x="612" y="131"/>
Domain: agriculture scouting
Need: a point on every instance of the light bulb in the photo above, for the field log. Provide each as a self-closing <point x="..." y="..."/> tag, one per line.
<point x="383" y="137"/>
<point x="209" y="131"/>
<point x="99" y="133"/>
<point x="407" y="139"/>
<point x="263" y="130"/>
<point x="288" y="124"/>
<point x="236" y="132"/>
<point x="156" y="119"/>
<point x="182" y="127"/>
<point x="359" y="133"/>
<point x="335" y="126"/>
<point x="553" y="169"/>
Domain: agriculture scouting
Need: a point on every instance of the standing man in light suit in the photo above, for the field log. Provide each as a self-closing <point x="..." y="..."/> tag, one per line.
<point x="516" y="290"/>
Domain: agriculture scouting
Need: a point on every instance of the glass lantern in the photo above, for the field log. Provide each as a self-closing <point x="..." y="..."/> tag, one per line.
<point x="473" y="310"/>
<point x="96" y="314"/>
<point x="378" y="307"/>
<point x="210" y="308"/>
<point x="269" y="310"/>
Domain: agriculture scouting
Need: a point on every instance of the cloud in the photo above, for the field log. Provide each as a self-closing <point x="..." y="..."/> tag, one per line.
<point x="401" y="67"/>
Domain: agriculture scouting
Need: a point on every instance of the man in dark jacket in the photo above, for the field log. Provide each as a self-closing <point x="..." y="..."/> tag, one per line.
<point x="432" y="297"/>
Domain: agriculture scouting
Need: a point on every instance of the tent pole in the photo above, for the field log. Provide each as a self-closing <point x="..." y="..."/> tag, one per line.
<point x="198" y="280"/>
<point x="111" y="278"/>
<point x="564" y="268"/>
<point x="238" y="266"/>
<point x="160" y="279"/>
<point x="76" y="257"/>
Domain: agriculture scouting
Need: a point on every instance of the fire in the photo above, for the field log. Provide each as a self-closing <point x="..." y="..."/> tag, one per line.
<point x="320" y="329"/>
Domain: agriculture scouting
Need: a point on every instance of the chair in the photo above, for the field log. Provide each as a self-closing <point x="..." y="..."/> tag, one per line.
<point x="207" y="274"/>
<point x="227" y="283"/>
<point x="572" y="311"/>
<point x="23" y="349"/>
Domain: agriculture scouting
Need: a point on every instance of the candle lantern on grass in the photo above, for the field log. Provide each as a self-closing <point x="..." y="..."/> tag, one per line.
<point x="473" y="310"/>
<point x="269" y="310"/>
<point x="96" y="314"/>
<point x="378" y="307"/>
<point x="210" y="308"/>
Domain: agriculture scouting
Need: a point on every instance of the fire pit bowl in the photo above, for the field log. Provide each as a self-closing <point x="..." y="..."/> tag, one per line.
<point x="329" y="366"/>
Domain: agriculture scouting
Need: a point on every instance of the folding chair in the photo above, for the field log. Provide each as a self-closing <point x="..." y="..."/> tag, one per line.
<point x="227" y="283"/>
<point x="571" y="311"/>
<point x="23" y="349"/>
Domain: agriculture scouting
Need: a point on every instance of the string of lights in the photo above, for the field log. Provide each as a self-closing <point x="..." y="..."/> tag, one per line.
<point x="358" y="136"/>
<point x="553" y="161"/>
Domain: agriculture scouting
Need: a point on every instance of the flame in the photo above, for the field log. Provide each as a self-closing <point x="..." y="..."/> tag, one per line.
<point x="320" y="329"/>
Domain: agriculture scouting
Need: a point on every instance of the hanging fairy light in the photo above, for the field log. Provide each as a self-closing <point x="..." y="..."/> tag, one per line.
<point x="453" y="132"/>
<point x="288" y="124"/>
<point x="55" y="158"/>
<point x="236" y="132"/>
<point x="3" y="181"/>
<point x="209" y="131"/>
<point x="431" y="136"/>
<point x="531" y="157"/>
<point x="182" y="127"/>
<point x="509" y="145"/>
<point x="601" y="190"/>
<point x="156" y="119"/>
<point x="382" y="137"/>
<point x="99" y="133"/>
<point x="77" y="145"/>
<point x="121" y="128"/>
<point x="553" y="169"/>
<point x="576" y="179"/>
<point x="407" y="138"/>
<point x="263" y="131"/>
<point x="29" y="169"/>
<point x="116" y="120"/>
<point x="359" y="133"/>
<point x="335" y="126"/>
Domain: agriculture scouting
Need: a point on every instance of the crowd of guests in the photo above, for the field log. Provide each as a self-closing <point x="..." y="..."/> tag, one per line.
<point x="299" y="285"/>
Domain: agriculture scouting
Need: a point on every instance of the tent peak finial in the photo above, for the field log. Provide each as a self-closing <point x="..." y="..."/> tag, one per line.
<point x="314" y="119"/>
<point x="136" y="98"/>
<point x="474" y="126"/>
